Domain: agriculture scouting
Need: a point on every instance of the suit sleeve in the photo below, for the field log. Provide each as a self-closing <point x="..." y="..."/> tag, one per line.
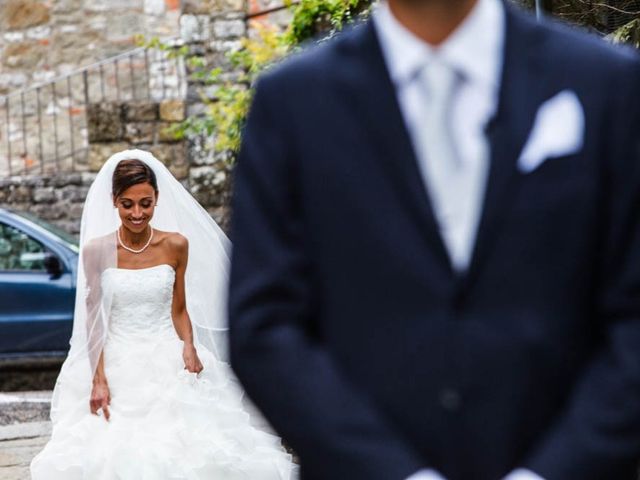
<point x="284" y="367"/>
<point x="598" y="436"/>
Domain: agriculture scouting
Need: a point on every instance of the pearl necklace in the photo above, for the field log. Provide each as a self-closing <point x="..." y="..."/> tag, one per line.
<point x="131" y="249"/>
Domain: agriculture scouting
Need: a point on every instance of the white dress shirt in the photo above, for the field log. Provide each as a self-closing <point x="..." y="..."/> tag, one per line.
<point x="475" y="52"/>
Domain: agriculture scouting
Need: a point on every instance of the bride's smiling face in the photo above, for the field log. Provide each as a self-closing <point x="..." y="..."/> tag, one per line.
<point x="136" y="205"/>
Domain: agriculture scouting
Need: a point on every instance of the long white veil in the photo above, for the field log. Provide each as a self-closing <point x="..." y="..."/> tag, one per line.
<point x="206" y="277"/>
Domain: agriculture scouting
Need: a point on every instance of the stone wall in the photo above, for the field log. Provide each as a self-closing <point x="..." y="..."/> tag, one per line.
<point x="212" y="29"/>
<point x="146" y="125"/>
<point x="55" y="198"/>
<point x="44" y="39"/>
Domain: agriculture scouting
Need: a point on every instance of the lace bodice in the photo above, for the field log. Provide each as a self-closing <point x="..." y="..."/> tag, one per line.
<point x="141" y="300"/>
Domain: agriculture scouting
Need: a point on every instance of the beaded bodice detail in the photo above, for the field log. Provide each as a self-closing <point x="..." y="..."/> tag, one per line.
<point x="140" y="300"/>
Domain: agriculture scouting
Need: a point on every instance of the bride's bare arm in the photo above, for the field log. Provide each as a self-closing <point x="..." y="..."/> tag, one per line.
<point x="100" y="395"/>
<point x="181" y="320"/>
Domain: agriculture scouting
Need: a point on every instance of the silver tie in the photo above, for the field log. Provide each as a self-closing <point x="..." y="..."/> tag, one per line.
<point x="451" y="182"/>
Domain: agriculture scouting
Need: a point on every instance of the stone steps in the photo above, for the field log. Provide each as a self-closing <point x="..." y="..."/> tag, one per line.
<point x="24" y="430"/>
<point x="19" y="443"/>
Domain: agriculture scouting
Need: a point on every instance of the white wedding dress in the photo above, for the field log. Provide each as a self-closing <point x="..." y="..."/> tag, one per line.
<point x="165" y="423"/>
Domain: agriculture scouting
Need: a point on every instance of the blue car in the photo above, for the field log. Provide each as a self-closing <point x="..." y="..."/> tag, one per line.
<point x="38" y="265"/>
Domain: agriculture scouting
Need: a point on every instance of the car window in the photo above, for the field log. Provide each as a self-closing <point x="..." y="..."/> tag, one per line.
<point x="68" y="239"/>
<point x="18" y="251"/>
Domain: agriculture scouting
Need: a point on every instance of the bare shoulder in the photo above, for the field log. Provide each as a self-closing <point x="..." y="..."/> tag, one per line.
<point x="173" y="240"/>
<point x="95" y="248"/>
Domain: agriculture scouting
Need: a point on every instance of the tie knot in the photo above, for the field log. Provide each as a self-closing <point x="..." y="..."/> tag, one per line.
<point x="440" y="81"/>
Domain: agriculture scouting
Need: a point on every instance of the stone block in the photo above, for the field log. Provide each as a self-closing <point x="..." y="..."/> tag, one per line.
<point x="225" y="29"/>
<point x="139" y="132"/>
<point x="67" y="179"/>
<point x="173" y="156"/>
<point x="140" y="112"/>
<point x="180" y="154"/>
<point x="209" y="7"/>
<point x="44" y="195"/>
<point x="38" y="33"/>
<point x="225" y="46"/>
<point x="70" y="226"/>
<point x="78" y="48"/>
<point x="196" y="109"/>
<point x="173" y="6"/>
<point x="12" y="80"/>
<point x="115" y="6"/>
<point x="104" y="122"/>
<point x="34" y="181"/>
<point x="201" y="150"/>
<point x="172" y="110"/>
<point x="179" y="171"/>
<point x="13" y="37"/>
<point x="123" y="26"/>
<point x="161" y="151"/>
<point x="154" y="7"/>
<point x="23" y="55"/>
<point x="20" y="194"/>
<point x="75" y="209"/>
<point x="165" y="135"/>
<point x="194" y="28"/>
<point x="67" y="6"/>
<point x="21" y="14"/>
<point x="262" y="5"/>
<point x="46" y="212"/>
<point x="89" y="177"/>
<point x="71" y="193"/>
<point x="100" y="153"/>
<point x="67" y="29"/>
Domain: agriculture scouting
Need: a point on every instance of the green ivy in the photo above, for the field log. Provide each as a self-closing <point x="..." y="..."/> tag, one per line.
<point x="311" y="17"/>
<point x="628" y="33"/>
<point x="226" y="114"/>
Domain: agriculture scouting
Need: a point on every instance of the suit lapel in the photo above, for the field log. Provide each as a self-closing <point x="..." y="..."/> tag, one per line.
<point x="523" y="88"/>
<point x="375" y="97"/>
<point x="524" y="85"/>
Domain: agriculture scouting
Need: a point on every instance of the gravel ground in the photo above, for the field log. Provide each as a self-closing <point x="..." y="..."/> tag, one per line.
<point x="24" y="430"/>
<point x="23" y="407"/>
<point x="18" y="445"/>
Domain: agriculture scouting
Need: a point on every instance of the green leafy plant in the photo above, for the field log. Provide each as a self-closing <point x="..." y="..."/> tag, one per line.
<point x="313" y="17"/>
<point x="226" y="112"/>
<point x="628" y="33"/>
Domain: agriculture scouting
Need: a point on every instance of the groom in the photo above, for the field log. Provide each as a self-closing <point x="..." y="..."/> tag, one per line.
<point x="436" y="262"/>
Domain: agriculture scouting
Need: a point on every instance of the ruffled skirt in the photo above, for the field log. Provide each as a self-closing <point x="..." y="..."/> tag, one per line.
<point x="165" y="423"/>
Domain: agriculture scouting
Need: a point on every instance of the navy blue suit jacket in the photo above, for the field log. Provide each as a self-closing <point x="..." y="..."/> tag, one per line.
<point x="353" y="334"/>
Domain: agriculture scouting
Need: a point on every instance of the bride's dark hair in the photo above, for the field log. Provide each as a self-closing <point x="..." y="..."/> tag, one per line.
<point x="132" y="172"/>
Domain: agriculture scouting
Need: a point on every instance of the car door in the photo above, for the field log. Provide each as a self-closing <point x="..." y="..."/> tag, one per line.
<point x="36" y="306"/>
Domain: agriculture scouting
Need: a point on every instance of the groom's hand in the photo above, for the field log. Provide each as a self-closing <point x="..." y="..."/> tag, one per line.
<point x="520" y="474"/>
<point x="426" y="474"/>
<point x="523" y="474"/>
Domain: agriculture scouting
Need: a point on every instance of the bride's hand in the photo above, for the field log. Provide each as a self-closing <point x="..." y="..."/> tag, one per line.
<point x="191" y="360"/>
<point x="100" y="398"/>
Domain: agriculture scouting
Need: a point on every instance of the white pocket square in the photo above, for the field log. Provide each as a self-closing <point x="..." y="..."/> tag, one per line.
<point x="558" y="130"/>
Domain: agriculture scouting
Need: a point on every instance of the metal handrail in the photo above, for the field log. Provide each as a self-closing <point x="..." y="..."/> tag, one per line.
<point x="267" y="11"/>
<point x="73" y="72"/>
<point x="29" y="143"/>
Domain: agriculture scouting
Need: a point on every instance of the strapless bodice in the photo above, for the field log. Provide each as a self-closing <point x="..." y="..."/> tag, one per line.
<point x="140" y="300"/>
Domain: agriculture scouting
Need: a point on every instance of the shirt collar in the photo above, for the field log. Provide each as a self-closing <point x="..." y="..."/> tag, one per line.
<point x="474" y="48"/>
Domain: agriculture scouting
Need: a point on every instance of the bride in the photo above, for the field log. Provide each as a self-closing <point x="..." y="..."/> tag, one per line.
<point x="145" y="392"/>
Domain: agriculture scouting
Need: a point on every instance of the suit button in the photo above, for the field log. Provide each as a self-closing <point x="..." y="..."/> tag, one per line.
<point x="450" y="399"/>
